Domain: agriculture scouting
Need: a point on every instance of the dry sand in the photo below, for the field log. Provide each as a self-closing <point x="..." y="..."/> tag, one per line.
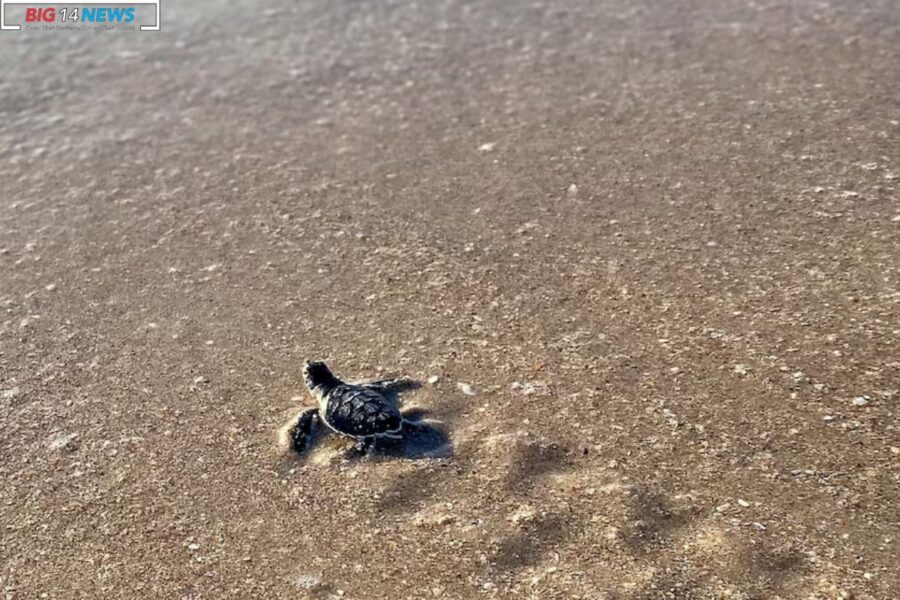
<point x="659" y="240"/>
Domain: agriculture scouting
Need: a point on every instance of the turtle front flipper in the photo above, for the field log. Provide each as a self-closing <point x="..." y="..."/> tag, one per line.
<point x="301" y="432"/>
<point x="394" y="384"/>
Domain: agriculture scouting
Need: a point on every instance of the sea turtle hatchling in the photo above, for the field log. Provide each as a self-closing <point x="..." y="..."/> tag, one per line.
<point x="360" y="411"/>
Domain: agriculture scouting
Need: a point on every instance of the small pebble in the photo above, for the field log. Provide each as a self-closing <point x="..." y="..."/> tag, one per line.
<point x="466" y="389"/>
<point x="523" y="514"/>
<point x="307" y="582"/>
<point x="743" y="503"/>
<point x="861" y="401"/>
<point x="67" y="442"/>
<point x="741" y="370"/>
<point x="532" y="387"/>
<point x="433" y="379"/>
<point x="431" y="518"/>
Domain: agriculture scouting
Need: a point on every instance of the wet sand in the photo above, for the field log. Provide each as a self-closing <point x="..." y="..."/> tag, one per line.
<point x="658" y="244"/>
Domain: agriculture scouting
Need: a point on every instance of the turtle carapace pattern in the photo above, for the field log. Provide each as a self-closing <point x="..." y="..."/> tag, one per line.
<point x="358" y="411"/>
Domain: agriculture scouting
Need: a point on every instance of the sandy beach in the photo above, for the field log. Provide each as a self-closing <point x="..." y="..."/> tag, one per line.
<point x="643" y="259"/>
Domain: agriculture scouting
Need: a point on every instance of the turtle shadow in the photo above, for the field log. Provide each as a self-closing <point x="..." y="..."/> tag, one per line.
<point x="415" y="415"/>
<point x="421" y="439"/>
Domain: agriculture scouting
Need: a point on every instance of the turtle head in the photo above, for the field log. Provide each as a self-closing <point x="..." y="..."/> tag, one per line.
<point x="316" y="374"/>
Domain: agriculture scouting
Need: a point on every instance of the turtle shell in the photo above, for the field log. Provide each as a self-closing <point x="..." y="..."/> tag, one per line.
<point x="361" y="412"/>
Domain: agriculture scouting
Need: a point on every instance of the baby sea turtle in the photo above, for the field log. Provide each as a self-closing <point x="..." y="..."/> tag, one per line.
<point x="360" y="411"/>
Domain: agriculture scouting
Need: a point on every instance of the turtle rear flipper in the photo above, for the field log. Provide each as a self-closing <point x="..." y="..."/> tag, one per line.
<point x="363" y="447"/>
<point x="301" y="432"/>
